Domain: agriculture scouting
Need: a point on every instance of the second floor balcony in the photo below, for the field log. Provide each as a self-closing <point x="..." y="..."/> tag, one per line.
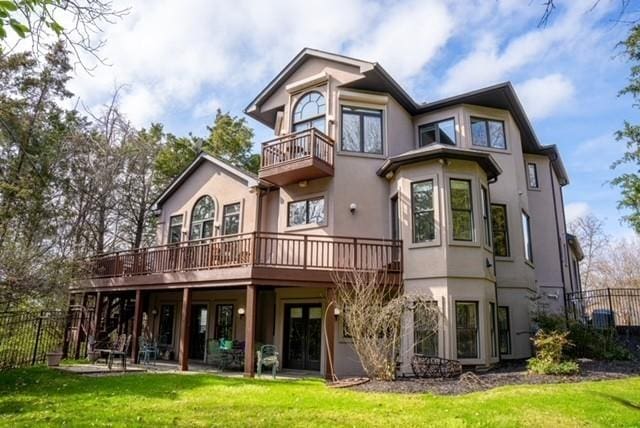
<point x="258" y="256"/>
<point x="296" y="157"/>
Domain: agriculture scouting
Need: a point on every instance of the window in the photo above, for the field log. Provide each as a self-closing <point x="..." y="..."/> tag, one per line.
<point x="423" y="214"/>
<point x="361" y="130"/>
<point x="485" y="216"/>
<point x="488" y="133"/>
<point x="494" y="345"/>
<point x="202" y="219"/>
<point x="231" y="219"/>
<point x="309" y="112"/>
<point x="532" y="175"/>
<point x="443" y="132"/>
<point x="500" y="229"/>
<point x="467" y="329"/>
<point x="526" y="232"/>
<point x="461" y="210"/>
<point x="165" y="328"/>
<point x="224" y="322"/>
<point x="175" y="228"/>
<point x="504" y="330"/>
<point x="425" y="339"/>
<point x="310" y="211"/>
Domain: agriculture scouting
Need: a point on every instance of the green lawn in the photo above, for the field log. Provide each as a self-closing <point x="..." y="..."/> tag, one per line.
<point x="39" y="396"/>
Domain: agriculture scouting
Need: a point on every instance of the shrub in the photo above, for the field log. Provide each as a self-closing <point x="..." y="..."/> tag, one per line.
<point x="549" y="354"/>
<point x="598" y="344"/>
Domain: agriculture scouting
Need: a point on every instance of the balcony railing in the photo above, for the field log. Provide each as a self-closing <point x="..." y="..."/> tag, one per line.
<point x="286" y="251"/>
<point x="299" y="156"/>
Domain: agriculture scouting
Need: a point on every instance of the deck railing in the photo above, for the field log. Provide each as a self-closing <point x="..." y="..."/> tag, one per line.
<point x="309" y="143"/>
<point x="277" y="250"/>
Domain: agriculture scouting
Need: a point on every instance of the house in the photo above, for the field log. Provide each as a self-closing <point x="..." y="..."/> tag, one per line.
<point x="456" y="197"/>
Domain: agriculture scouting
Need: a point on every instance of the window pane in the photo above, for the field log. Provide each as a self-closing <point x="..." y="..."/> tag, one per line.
<point x="425" y="339"/>
<point x="447" y="132"/>
<point x="467" y="329"/>
<point x="423" y="195"/>
<point x="372" y="134"/>
<point x="462" y="226"/>
<point x="485" y="216"/>
<point x="460" y="195"/>
<point x="494" y="349"/>
<point x="427" y="135"/>
<point x="423" y="215"/>
<point x="496" y="132"/>
<point x="224" y="322"/>
<point x="350" y="132"/>
<point x="176" y="220"/>
<point x="316" y="211"/>
<point x="504" y="334"/>
<point x="533" y="175"/>
<point x="231" y="220"/>
<point x="203" y="209"/>
<point x="479" y="133"/>
<point x="423" y="225"/>
<point x="165" y="328"/>
<point x="195" y="231"/>
<point x="207" y="229"/>
<point x="309" y="105"/>
<point x="297" y="213"/>
<point x="526" y="231"/>
<point x="500" y="234"/>
<point x="175" y="234"/>
<point x="461" y="210"/>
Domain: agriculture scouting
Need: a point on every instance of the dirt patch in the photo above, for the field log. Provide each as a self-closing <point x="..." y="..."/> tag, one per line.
<point x="506" y="374"/>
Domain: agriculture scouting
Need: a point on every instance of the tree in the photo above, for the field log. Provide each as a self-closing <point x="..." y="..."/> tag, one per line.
<point x="589" y="230"/>
<point x="76" y="22"/>
<point x="621" y="265"/>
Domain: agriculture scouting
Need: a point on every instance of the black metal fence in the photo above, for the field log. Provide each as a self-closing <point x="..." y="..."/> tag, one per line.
<point x="606" y="308"/>
<point x="26" y="337"/>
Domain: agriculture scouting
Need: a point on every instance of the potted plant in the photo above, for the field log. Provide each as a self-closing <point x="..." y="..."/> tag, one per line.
<point x="54" y="357"/>
<point x="92" y="353"/>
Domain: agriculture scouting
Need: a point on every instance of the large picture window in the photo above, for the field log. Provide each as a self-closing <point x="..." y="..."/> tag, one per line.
<point x="231" y="219"/>
<point x="425" y="340"/>
<point x="443" y="132"/>
<point x="175" y="228"/>
<point x="526" y="233"/>
<point x="309" y="112"/>
<point x="423" y="213"/>
<point x="309" y="211"/>
<point x="467" y="329"/>
<point x="488" y="133"/>
<point x="504" y="330"/>
<point x="461" y="209"/>
<point x="202" y="218"/>
<point x="500" y="228"/>
<point x="361" y="130"/>
<point x="224" y="322"/>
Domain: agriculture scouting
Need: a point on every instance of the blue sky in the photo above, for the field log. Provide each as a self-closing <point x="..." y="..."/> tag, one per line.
<point x="179" y="61"/>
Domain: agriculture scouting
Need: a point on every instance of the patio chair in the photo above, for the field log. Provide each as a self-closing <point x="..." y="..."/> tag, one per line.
<point x="146" y="350"/>
<point x="268" y="357"/>
<point x="120" y="351"/>
<point x="216" y="355"/>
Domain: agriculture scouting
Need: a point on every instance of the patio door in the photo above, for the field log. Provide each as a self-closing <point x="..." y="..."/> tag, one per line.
<point x="198" y="334"/>
<point x="302" y="336"/>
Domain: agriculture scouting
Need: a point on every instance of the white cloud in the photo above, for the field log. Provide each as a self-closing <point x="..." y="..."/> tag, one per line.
<point x="575" y="210"/>
<point x="207" y="108"/>
<point x="543" y="96"/>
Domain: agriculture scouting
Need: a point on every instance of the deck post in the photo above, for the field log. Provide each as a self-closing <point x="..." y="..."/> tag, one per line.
<point x="330" y="323"/>
<point x="97" y="316"/>
<point x="78" y="338"/>
<point x="137" y="326"/>
<point x="185" y="329"/>
<point x="249" y="331"/>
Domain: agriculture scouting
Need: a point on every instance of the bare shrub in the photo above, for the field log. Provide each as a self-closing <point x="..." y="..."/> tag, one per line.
<point x="374" y="308"/>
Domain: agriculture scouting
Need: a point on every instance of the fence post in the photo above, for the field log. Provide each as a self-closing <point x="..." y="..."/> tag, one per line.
<point x="35" y="346"/>
<point x="613" y="320"/>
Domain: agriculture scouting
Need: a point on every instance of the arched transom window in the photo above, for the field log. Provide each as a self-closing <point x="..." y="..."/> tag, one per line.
<point x="202" y="218"/>
<point x="309" y="112"/>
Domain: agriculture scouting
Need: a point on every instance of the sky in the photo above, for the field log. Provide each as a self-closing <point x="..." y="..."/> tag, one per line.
<point x="178" y="61"/>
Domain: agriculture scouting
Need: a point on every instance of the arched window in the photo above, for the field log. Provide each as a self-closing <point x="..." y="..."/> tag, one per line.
<point x="309" y="112"/>
<point x="202" y="218"/>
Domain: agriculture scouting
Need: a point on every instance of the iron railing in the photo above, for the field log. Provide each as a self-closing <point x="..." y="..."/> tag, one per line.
<point x="605" y="308"/>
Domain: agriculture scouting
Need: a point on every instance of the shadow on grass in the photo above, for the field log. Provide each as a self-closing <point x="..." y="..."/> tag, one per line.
<point x="623" y="401"/>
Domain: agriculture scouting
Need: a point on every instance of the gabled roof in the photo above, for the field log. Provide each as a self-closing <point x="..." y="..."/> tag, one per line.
<point x="375" y="78"/>
<point x="485" y="160"/>
<point x="250" y="178"/>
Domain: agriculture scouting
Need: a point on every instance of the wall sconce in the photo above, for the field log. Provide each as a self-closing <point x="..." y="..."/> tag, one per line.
<point x="336" y="312"/>
<point x="353" y="207"/>
<point x="154" y="312"/>
<point x="489" y="264"/>
<point x="241" y="312"/>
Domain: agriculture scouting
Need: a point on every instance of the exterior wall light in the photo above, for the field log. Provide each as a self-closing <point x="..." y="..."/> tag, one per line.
<point x="336" y="312"/>
<point x="353" y="207"/>
<point x="241" y="312"/>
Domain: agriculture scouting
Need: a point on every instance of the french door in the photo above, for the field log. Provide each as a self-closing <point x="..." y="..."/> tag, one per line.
<point x="302" y="336"/>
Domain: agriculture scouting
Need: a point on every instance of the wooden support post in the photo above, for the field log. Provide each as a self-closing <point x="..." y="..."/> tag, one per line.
<point x="185" y="329"/>
<point x="250" y="332"/>
<point x="80" y="325"/>
<point x="97" y="316"/>
<point x="137" y="326"/>
<point x="330" y="328"/>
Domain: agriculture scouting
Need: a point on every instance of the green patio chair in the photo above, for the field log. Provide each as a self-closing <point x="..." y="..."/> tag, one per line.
<point x="217" y="355"/>
<point x="268" y="357"/>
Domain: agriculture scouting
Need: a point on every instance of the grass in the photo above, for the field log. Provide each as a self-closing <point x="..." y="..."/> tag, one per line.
<point x="42" y="397"/>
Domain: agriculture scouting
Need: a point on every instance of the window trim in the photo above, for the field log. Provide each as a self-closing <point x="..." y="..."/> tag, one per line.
<point x="436" y="123"/>
<point x="478" y="323"/>
<point x="486" y="121"/>
<point x="508" y="330"/>
<point x="413" y="212"/>
<point x="470" y="210"/>
<point x="171" y="226"/>
<point x="239" y="214"/>
<point x="537" y="177"/>
<point x="307" y="224"/>
<point x="313" y="118"/>
<point x="506" y="231"/>
<point x="526" y="237"/>
<point x="361" y="116"/>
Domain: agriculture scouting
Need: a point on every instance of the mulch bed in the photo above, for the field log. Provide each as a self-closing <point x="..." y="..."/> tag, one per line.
<point x="506" y="374"/>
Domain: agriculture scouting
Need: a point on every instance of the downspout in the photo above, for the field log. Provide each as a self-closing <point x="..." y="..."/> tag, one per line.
<point x="555" y="213"/>
<point x="495" y="271"/>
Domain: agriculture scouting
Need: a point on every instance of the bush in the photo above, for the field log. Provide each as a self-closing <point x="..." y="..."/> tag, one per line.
<point x="598" y="344"/>
<point x="549" y="354"/>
